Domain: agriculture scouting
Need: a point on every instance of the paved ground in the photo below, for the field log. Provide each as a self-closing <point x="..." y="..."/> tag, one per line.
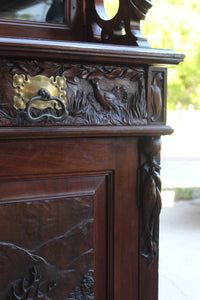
<point x="180" y="224"/>
<point x="180" y="252"/>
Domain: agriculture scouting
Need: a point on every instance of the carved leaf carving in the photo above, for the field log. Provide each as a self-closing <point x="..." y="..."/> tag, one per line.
<point x="86" y="289"/>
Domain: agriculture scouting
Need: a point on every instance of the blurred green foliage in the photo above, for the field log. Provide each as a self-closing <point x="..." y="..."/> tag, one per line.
<point x="175" y="24"/>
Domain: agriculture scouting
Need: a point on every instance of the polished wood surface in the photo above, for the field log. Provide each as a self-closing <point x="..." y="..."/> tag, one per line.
<point x="87" y="52"/>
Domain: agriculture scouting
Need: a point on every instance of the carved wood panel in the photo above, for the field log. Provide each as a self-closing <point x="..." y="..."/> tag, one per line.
<point x="48" y="237"/>
<point x="48" y="186"/>
<point x="96" y="94"/>
<point x="157" y="94"/>
<point x="150" y="197"/>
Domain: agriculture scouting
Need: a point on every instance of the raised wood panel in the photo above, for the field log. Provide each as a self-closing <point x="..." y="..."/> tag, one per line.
<point x="43" y="197"/>
<point x="54" y="226"/>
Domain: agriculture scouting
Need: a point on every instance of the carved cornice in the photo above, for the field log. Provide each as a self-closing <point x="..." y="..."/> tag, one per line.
<point x="149" y="196"/>
<point x="124" y="28"/>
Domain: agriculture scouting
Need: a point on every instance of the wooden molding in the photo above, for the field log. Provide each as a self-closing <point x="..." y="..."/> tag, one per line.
<point x="14" y="47"/>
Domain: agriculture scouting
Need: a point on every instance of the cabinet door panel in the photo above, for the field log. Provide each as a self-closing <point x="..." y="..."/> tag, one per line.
<point x="55" y="231"/>
<point x="68" y="216"/>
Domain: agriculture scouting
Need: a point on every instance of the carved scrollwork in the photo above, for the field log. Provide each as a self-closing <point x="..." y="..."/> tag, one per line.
<point x="150" y="188"/>
<point x="31" y="288"/>
<point x="96" y="94"/>
<point x="124" y="28"/>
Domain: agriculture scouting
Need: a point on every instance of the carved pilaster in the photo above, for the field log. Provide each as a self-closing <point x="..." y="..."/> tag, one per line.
<point x="150" y="198"/>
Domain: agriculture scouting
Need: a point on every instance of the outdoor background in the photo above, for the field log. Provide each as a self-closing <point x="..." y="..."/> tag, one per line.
<point x="175" y="24"/>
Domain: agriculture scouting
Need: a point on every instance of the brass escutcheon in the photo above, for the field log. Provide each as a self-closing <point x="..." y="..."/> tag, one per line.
<point x="27" y="87"/>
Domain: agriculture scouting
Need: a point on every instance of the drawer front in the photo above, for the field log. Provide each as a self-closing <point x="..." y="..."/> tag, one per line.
<point x="80" y="94"/>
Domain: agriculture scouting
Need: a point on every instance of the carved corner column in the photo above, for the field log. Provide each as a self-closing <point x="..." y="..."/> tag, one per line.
<point x="149" y="203"/>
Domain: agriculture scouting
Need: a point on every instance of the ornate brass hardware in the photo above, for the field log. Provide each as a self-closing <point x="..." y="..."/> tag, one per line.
<point x="40" y="93"/>
<point x="45" y="100"/>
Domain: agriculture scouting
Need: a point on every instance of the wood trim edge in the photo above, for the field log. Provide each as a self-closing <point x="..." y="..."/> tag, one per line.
<point x="84" y="131"/>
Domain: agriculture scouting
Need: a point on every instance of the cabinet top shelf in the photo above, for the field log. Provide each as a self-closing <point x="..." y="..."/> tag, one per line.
<point x="95" y="52"/>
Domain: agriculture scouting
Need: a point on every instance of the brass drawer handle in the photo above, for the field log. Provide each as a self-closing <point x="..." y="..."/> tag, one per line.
<point x="50" y="102"/>
<point x="40" y="97"/>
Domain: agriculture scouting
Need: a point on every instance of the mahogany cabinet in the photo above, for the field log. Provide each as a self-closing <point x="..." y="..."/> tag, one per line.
<point x="80" y="127"/>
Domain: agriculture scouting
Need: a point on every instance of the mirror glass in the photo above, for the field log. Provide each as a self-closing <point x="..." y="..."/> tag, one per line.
<point x="111" y="7"/>
<point x="50" y="11"/>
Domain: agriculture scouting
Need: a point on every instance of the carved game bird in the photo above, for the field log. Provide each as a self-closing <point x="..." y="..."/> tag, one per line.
<point x="105" y="99"/>
<point x="156" y="93"/>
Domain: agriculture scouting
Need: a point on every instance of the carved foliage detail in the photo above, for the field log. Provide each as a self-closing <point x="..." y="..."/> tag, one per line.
<point x="86" y="289"/>
<point x="97" y="95"/>
<point x="31" y="288"/>
<point x="150" y="188"/>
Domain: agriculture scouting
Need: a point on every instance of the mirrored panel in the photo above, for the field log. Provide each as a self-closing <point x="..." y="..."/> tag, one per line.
<point x="51" y="11"/>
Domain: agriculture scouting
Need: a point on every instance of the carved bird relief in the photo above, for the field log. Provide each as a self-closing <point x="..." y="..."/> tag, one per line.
<point x="156" y="97"/>
<point x="105" y="99"/>
<point x="151" y="198"/>
<point x="151" y="209"/>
